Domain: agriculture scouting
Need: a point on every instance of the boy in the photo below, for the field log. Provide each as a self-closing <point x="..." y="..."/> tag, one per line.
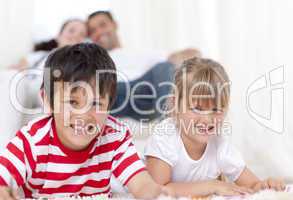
<point x="78" y="146"/>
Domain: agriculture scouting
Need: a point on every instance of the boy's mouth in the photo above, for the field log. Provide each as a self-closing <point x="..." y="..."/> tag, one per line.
<point x="87" y="130"/>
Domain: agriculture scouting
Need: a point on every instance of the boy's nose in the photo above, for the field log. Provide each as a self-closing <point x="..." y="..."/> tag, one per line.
<point x="86" y="118"/>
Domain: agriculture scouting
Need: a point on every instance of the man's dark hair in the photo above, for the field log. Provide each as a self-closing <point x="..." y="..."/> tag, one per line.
<point x="80" y="62"/>
<point x="101" y="12"/>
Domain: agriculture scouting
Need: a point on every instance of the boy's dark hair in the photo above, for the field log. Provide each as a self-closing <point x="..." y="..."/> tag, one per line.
<point x="101" y="12"/>
<point x="80" y="62"/>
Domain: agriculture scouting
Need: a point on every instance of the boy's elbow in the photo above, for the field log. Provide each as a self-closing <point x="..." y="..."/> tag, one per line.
<point x="142" y="186"/>
<point x="154" y="191"/>
<point x="150" y="191"/>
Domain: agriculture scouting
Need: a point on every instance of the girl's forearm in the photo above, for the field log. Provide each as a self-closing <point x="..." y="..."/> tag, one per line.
<point x="198" y="189"/>
<point x="247" y="179"/>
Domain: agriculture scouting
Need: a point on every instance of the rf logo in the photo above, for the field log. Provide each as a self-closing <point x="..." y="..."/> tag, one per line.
<point x="272" y="83"/>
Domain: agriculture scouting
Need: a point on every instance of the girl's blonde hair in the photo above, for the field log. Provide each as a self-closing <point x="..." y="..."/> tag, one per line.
<point x="200" y="79"/>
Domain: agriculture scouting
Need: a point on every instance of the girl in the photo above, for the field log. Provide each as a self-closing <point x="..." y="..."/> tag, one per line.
<point x="186" y="152"/>
<point x="73" y="31"/>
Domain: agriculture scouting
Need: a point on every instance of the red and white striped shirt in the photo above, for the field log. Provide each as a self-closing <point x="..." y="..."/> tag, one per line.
<point x="38" y="164"/>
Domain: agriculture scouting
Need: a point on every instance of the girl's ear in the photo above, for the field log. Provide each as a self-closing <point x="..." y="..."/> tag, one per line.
<point x="170" y="105"/>
<point x="172" y="101"/>
<point x="115" y="25"/>
<point x="42" y="93"/>
<point x="46" y="103"/>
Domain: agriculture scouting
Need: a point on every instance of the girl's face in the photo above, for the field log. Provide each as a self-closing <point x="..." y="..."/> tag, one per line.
<point x="73" y="33"/>
<point x="199" y="121"/>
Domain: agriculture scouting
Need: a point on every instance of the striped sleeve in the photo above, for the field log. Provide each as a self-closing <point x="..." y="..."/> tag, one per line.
<point x="126" y="162"/>
<point x="12" y="164"/>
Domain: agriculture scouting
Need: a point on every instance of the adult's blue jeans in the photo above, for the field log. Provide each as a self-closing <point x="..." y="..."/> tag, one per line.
<point x="143" y="98"/>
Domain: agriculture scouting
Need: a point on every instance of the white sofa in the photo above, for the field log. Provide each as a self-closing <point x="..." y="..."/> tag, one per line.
<point x="10" y="119"/>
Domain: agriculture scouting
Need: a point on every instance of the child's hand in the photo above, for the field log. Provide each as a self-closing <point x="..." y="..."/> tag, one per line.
<point x="167" y="191"/>
<point x="7" y="194"/>
<point x="270" y="183"/>
<point x="229" y="189"/>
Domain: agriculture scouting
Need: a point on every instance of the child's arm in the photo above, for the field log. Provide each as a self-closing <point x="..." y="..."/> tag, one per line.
<point x="249" y="179"/>
<point x="142" y="186"/>
<point x="161" y="173"/>
<point x="129" y="169"/>
<point x="12" y="167"/>
<point x="233" y="166"/>
<point x="7" y="194"/>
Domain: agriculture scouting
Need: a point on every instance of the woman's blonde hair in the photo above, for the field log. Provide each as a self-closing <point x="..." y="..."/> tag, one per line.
<point x="203" y="79"/>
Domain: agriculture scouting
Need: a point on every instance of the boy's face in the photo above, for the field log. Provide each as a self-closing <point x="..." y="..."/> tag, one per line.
<point x="79" y="114"/>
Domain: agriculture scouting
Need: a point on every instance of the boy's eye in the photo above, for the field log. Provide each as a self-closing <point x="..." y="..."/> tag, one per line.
<point x="72" y="102"/>
<point x="95" y="103"/>
<point x="217" y="110"/>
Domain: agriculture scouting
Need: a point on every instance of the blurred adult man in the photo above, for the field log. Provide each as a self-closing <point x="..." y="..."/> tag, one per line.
<point x="137" y="67"/>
